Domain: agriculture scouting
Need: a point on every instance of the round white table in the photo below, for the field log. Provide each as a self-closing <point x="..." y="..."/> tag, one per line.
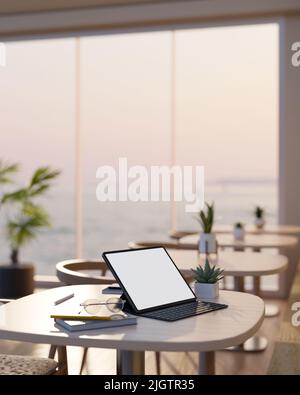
<point x="256" y="242"/>
<point x="269" y="229"/>
<point x="236" y="264"/>
<point x="28" y="319"/>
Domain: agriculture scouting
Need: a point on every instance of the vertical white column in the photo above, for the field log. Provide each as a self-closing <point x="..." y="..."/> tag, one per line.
<point x="2" y="55"/>
<point x="78" y="178"/>
<point x="173" y="212"/>
<point x="289" y="135"/>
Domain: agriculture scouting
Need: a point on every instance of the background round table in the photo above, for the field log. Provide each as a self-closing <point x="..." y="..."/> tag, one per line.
<point x="28" y="319"/>
<point x="256" y="242"/>
<point x="236" y="264"/>
<point x="271" y="229"/>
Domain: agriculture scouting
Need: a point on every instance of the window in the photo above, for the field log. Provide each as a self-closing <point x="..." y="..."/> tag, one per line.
<point x="37" y="128"/>
<point x="125" y="114"/>
<point x="225" y="119"/>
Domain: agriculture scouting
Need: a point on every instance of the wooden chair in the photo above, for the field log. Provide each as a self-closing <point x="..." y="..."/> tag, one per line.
<point x="70" y="272"/>
<point x="29" y="365"/>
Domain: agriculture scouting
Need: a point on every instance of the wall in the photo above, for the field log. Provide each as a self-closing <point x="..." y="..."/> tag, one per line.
<point x="18" y="20"/>
<point x="289" y="147"/>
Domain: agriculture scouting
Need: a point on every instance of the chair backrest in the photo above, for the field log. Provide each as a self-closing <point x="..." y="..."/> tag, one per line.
<point x="167" y="244"/>
<point x="178" y="234"/>
<point x="69" y="273"/>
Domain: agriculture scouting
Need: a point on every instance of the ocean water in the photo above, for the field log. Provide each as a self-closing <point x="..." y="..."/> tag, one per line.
<point x="112" y="225"/>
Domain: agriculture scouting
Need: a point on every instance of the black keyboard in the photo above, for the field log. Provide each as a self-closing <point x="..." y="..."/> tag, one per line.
<point x="184" y="310"/>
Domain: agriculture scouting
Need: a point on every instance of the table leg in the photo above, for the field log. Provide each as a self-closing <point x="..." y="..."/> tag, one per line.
<point x="271" y="310"/>
<point x="130" y="362"/>
<point x="239" y="284"/>
<point x="256" y="285"/>
<point x="255" y="343"/>
<point x="206" y="363"/>
<point x="62" y="359"/>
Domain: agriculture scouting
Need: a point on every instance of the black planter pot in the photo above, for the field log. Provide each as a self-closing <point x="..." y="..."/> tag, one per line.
<point x="16" y="281"/>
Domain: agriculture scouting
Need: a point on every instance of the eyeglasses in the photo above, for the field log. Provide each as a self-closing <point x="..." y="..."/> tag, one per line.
<point x="93" y="306"/>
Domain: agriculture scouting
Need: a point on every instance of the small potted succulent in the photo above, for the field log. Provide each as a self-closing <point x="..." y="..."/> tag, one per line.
<point x="259" y="214"/>
<point x="207" y="241"/>
<point x="239" y="231"/>
<point x="207" y="280"/>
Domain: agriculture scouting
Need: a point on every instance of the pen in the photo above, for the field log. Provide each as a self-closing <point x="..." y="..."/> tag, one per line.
<point x="80" y="318"/>
<point x="63" y="299"/>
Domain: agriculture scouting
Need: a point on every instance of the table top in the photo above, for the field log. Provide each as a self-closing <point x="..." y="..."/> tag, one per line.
<point x="27" y="319"/>
<point x="234" y="263"/>
<point x="267" y="229"/>
<point x="250" y="241"/>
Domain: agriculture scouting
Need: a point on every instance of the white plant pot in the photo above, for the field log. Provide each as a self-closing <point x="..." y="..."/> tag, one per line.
<point x="259" y="223"/>
<point x="207" y="243"/>
<point x="205" y="291"/>
<point x="239" y="233"/>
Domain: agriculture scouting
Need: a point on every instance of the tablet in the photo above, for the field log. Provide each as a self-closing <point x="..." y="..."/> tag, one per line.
<point x="149" y="278"/>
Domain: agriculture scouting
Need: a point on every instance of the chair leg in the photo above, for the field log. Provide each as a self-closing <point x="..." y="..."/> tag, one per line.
<point x="62" y="359"/>
<point x="52" y="351"/>
<point x="85" y="350"/>
<point x="157" y="360"/>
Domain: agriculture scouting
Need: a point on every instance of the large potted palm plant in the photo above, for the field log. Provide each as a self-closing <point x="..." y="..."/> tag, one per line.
<point x="25" y="218"/>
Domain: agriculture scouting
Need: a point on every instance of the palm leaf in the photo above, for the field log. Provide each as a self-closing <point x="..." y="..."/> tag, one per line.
<point x="43" y="175"/>
<point x="18" y="196"/>
<point x="6" y="170"/>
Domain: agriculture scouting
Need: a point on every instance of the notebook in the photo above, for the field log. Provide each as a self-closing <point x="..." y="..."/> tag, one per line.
<point x="113" y="289"/>
<point x="73" y="310"/>
<point x="76" y="325"/>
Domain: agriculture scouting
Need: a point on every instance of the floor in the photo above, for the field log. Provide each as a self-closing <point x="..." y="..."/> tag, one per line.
<point x="102" y="361"/>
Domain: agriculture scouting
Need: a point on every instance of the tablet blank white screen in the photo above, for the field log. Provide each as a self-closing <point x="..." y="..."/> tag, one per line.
<point x="150" y="277"/>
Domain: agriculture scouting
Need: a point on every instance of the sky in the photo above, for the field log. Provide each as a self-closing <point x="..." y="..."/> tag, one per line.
<point x="226" y="101"/>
